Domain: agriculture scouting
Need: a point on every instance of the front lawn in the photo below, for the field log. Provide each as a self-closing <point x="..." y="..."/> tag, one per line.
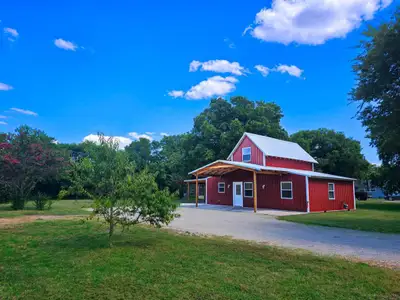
<point x="72" y="260"/>
<point x="60" y="207"/>
<point x="371" y="215"/>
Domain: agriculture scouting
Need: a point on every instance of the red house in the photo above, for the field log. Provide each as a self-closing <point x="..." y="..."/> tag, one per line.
<point x="264" y="172"/>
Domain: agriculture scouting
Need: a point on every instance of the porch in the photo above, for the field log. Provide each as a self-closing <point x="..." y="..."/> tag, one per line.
<point x="243" y="192"/>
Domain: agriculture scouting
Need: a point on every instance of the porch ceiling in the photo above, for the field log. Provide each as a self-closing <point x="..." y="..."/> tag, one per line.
<point x="221" y="168"/>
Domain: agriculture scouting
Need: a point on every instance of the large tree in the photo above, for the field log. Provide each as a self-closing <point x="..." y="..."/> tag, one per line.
<point x="27" y="157"/>
<point x="219" y="127"/>
<point x="377" y="91"/>
<point x="335" y="153"/>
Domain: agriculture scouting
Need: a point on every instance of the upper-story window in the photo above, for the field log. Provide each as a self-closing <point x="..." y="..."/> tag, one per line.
<point x="246" y="154"/>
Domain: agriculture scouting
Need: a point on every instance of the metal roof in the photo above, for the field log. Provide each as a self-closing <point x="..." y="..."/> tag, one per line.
<point x="259" y="168"/>
<point x="278" y="148"/>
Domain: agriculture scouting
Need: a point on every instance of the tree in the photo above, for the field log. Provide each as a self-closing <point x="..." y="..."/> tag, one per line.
<point x="377" y="91"/>
<point x="27" y="158"/>
<point x="121" y="196"/>
<point x="335" y="153"/>
<point x="219" y="127"/>
<point x="140" y="153"/>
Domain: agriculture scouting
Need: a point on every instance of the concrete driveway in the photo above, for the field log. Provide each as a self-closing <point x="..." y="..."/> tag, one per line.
<point x="366" y="246"/>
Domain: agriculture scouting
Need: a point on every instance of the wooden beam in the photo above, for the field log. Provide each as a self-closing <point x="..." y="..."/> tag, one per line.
<point x="255" y="190"/>
<point x="197" y="190"/>
<point x="188" y="192"/>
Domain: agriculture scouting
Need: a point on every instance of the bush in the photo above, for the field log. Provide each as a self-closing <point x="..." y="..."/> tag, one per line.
<point x="42" y="201"/>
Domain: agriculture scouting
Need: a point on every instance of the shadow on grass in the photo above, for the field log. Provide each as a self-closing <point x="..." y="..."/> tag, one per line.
<point x="384" y="206"/>
<point x="99" y="240"/>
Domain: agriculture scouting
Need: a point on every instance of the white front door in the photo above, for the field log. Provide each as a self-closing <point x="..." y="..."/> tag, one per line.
<point x="238" y="194"/>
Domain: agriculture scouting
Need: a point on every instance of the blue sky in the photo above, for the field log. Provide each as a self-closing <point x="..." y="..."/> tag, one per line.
<point x="74" y="68"/>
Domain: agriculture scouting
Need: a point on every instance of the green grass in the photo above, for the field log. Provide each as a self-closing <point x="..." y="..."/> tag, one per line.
<point x="72" y="260"/>
<point x="61" y="207"/>
<point x="371" y="215"/>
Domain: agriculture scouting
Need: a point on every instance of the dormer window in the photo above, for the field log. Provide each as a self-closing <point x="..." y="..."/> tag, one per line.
<point x="246" y="154"/>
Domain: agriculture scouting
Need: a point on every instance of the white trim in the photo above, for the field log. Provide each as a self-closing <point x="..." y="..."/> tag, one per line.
<point x="205" y="200"/>
<point x="307" y="194"/>
<point x="313" y="167"/>
<point x="234" y="191"/>
<point x="221" y="182"/>
<point x="264" y="160"/>
<point x="291" y="190"/>
<point x="354" y="195"/>
<point x="329" y="191"/>
<point x="244" y="189"/>
<point x="246" y="161"/>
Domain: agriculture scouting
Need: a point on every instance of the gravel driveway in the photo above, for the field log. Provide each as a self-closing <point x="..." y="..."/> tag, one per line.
<point x="367" y="246"/>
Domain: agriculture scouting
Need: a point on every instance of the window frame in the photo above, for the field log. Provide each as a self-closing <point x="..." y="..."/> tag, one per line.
<point x="291" y="190"/>
<point x="246" y="154"/>
<point x="223" y="184"/>
<point x="252" y="189"/>
<point x="331" y="191"/>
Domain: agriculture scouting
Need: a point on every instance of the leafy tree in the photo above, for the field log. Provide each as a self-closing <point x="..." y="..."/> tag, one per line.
<point x="335" y="153"/>
<point x="121" y="196"/>
<point x="377" y="91"/>
<point x="140" y="153"/>
<point x="218" y="128"/>
<point x="27" y="158"/>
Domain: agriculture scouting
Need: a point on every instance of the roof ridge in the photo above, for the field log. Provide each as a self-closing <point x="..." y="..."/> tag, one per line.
<point x="265" y="136"/>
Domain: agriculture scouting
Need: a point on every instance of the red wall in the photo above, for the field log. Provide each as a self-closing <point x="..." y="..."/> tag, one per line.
<point x="269" y="197"/>
<point x="257" y="157"/>
<point x="319" y="199"/>
<point x="272" y="161"/>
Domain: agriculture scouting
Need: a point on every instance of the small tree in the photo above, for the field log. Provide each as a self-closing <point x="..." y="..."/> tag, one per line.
<point x="27" y="157"/>
<point x="120" y="196"/>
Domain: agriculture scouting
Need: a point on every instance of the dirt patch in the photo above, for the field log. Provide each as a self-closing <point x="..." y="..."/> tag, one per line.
<point x="4" y="222"/>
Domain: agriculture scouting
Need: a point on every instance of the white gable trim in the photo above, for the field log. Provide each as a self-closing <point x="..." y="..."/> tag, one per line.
<point x="230" y="157"/>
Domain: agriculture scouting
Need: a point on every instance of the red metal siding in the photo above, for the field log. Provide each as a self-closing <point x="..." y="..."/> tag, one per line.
<point x="319" y="199"/>
<point x="257" y="157"/>
<point x="268" y="191"/>
<point x="272" y="161"/>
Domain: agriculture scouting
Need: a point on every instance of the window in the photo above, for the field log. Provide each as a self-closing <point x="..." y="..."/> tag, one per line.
<point x="286" y="190"/>
<point x="221" y="187"/>
<point x="248" y="189"/>
<point x="331" y="191"/>
<point x="246" y="154"/>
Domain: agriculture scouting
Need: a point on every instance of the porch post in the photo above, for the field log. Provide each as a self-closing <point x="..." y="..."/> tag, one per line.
<point x="197" y="190"/>
<point x="255" y="190"/>
<point x="188" y="192"/>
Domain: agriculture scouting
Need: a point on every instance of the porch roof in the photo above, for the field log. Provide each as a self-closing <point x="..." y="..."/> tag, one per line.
<point x="222" y="167"/>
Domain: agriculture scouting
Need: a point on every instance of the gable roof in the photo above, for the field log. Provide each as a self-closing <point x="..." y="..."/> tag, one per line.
<point x="278" y="148"/>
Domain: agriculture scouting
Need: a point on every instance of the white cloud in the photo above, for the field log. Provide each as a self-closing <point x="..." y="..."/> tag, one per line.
<point x="312" y="21"/>
<point x="5" y="87"/>
<point x="66" y="45"/>
<point x="149" y="132"/>
<point x="176" y="94"/>
<point x="218" y="66"/>
<point x="11" y="31"/>
<point x="123" y="141"/>
<point x="3" y="117"/>
<point x="291" y="70"/>
<point x="229" y="43"/>
<point x="212" y="87"/>
<point x="137" y="136"/>
<point x="164" y="134"/>
<point x="263" y="70"/>
<point x="3" y="123"/>
<point x="24" y="111"/>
